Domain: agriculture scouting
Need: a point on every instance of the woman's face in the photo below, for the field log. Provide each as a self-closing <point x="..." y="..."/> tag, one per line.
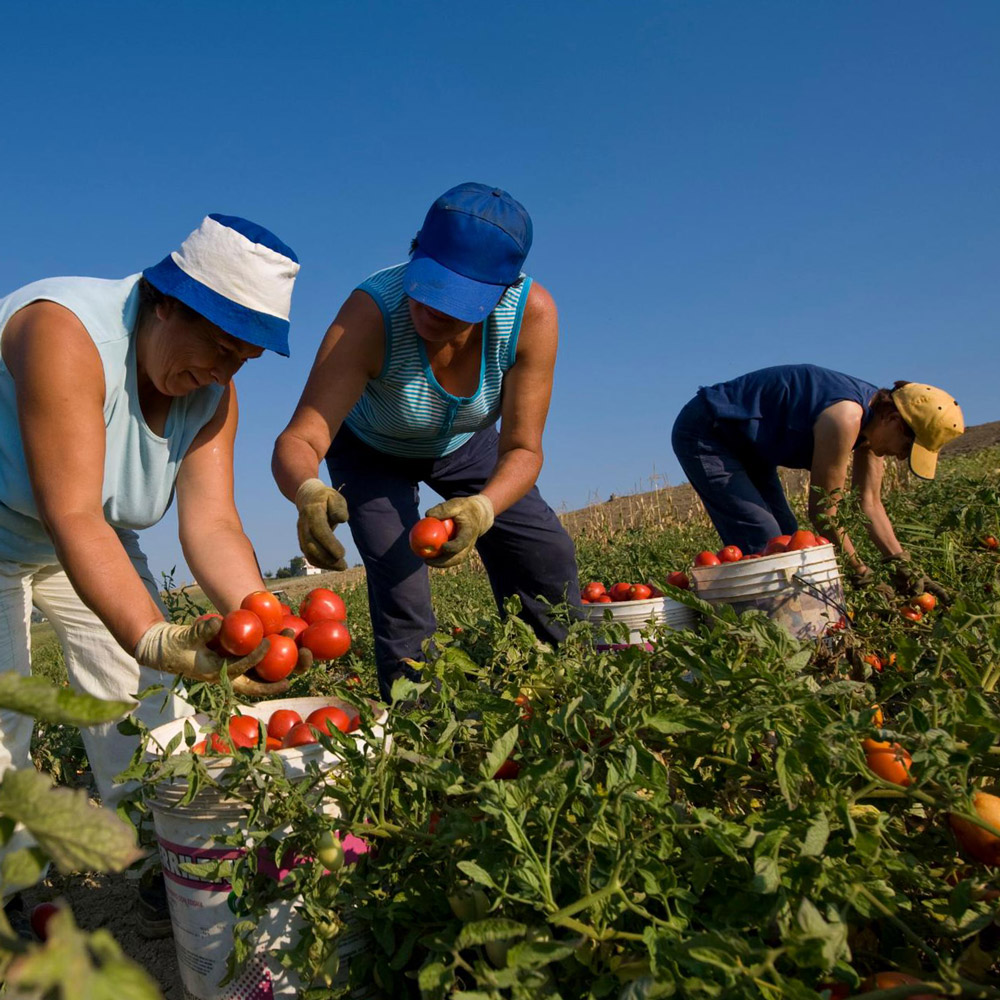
<point x="890" y="435"/>
<point x="184" y="351"/>
<point x="436" y="327"/>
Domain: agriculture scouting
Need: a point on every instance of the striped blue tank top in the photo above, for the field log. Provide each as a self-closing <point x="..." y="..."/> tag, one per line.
<point x="403" y="410"/>
<point x="140" y="466"/>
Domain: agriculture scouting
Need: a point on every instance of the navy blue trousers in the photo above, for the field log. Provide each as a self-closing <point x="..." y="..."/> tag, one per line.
<point x="527" y="551"/>
<point x="743" y="497"/>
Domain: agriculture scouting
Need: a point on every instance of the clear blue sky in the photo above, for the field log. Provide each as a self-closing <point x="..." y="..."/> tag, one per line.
<point x="715" y="187"/>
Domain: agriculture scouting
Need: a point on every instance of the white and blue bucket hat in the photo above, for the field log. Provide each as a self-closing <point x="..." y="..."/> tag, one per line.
<point x="236" y="274"/>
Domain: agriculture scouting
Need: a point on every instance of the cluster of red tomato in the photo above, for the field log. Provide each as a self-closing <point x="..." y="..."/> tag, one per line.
<point x="800" y="539"/>
<point x="429" y="534"/>
<point x="918" y="606"/>
<point x="285" y="728"/>
<point x="319" y="627"/>
<point x="596" y="593"/>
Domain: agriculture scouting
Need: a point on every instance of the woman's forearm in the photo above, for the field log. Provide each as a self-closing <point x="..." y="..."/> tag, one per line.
<point x="880" y="529"/>
<point x="103" y="576"/>
<point x="515" y="473"/>
<point x="223" y="562"/>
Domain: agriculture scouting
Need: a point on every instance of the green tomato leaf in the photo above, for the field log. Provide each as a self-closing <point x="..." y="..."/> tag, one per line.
<point x="37" y="697"/>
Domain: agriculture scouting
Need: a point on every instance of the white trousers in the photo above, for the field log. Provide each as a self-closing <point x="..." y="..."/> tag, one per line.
<point x="96" y="665"/>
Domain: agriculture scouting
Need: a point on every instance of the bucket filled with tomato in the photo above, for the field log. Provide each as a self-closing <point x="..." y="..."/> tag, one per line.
<point x="192" y="829"/>
<point x="796" y="581"/>
<point x="638" y="606"/>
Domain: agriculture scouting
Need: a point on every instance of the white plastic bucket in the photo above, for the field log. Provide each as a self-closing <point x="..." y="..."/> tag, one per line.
<point x="200" y="910"/>
<point x="640" y="615"/>
<point x="802" y="590"/>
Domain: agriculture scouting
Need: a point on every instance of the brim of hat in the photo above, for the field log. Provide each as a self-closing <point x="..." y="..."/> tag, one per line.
<point x="437" y="286"/>
<point x="257" y="328"/>
<point x="923" y="461"/>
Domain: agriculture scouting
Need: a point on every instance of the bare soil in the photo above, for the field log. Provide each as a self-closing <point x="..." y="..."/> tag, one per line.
<point x="108" y="900"/>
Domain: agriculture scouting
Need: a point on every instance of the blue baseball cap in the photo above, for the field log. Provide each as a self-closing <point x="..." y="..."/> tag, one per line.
<point x="236" y="274"/>
<point x="470" y="249"/>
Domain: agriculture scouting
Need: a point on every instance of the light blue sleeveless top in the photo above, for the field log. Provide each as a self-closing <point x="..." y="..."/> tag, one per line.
<point x="403" y="410"/>
<point x="140" y="467"/>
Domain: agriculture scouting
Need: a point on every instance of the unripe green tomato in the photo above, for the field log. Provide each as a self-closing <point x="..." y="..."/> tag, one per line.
<point x="330" y="969"/>
<point x="330" y="851"/>
<point x="496" y="952"/>
<point x="469" y="904"/>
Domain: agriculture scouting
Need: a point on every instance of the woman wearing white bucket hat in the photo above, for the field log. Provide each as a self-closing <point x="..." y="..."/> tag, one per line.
<point x="114" y="395"/>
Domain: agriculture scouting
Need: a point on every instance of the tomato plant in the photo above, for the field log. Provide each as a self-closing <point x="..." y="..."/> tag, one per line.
<point x="326" y="640"/>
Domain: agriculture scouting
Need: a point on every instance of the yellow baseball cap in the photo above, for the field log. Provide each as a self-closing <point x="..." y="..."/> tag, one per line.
<point x="934" y="417"/>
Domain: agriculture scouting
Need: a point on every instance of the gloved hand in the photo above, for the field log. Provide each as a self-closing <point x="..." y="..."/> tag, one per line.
<point x="865" y="578"/>
<point x="910" y="580"/>
<point x="473" y="516"/>
<point x="183" y="650"/>
<point x="321" y="508"/>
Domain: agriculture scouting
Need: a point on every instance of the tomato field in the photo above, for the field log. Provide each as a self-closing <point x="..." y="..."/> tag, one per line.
<point x="729" y="814"/>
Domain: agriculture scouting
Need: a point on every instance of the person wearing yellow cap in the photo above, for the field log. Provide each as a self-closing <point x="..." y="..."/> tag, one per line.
<point x="731" y="438"/>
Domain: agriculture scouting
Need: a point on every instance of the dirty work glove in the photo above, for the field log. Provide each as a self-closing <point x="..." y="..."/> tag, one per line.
<point x="183" y="650"/>
<point x="473" y="516"/>
<point x="321" y="508"/>
<point x="866" y="580"/>
<point x="909" y="579"/>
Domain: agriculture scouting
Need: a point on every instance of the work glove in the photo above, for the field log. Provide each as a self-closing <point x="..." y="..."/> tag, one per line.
<point x="321" y="508"/>
<point x="910" y="580"/>
<point x="183" y="650"/>
<point x="473" y="517"/>
<point x="865" y="580"/>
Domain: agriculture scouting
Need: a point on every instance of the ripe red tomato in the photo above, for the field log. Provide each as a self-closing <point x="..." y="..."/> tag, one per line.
<point x="886" y="981"/>
<point x="777" y="544"/>
<point x="924" y="602"/>
<point x="707" y="558"/>
<point x="200" y="747"/>
<point x="330" y="717"/>
<point x="244" y="730"/>
<point x="272" y="743"/>
<point x="679" y="579"/>
<point x="285" y="608"/>
<point x="874" y="662"/>
<point x="427" y="536"/>
<point x="241" y="633"/>
<point x="592" y="591"/>
<point x="39" y="919"/>
<point x="730" y="553"/>
<point x="281" y="721"/>
<point x="322" y="605"/>
<point x="295" y="623"/>
<point x="752" y="555"/>
<point x="266" y="607"/>
<point x="449" y="526"/>
<point x="508" y="770"/>
<point x="326" y="640"/>
<point x="801" y="539"/>
<point x="299" y="736"/>
<point x="280" y="659"/>
<point x="821" y="540"/>
<point x="914" y="614"/>
<point x="990" y="542"/>
<point x="619" y="592"/>
<point x="889" y="761"/>
<point x="603" y="599"/>
<point x="639" y="592"/>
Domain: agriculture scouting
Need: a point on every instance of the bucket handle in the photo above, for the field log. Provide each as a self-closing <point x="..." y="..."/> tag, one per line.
<point x="820" y="596"/>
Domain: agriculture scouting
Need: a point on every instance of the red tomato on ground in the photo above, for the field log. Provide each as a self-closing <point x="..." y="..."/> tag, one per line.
<point x="280" y="659"/>
<point x="295" y="623"/>
<point x="730" y="553"/>
<point x="243" y="730"/>
<point x="924" y="602"/>
<point x="990" y="542"/>
<point x="39" y="919"/>
<point x="639" y="592"/>
<point x="281" y="721"/>
<point x="592" y="591"/>
<point x="886" y="980"/>
<point x="679" y="579"/>
<point x="266" y="607"/>
<point x="329" y="717"/>
<point x="777" y="544"/>
<point x="427" y="536"/>
<point x="874" y="662"/>
<point x="299" y="736"/>
<point x="801" y="539"/>
<point x="322" y="605"/>
<point x="914" y="614"/>
<point x="707" y="558"/>
<point x="619" y="592"/>
<point x="508" y="770"/>
<point x="326" y="640"/>
<point x="241" y="633"/>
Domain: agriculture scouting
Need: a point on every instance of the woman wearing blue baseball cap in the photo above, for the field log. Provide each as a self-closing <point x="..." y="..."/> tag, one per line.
<point x="114" y="395"/>
<point x="409" y="382"/>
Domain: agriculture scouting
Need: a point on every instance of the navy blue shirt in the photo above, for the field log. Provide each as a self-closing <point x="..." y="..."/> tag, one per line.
<point x="773" y="410"/>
